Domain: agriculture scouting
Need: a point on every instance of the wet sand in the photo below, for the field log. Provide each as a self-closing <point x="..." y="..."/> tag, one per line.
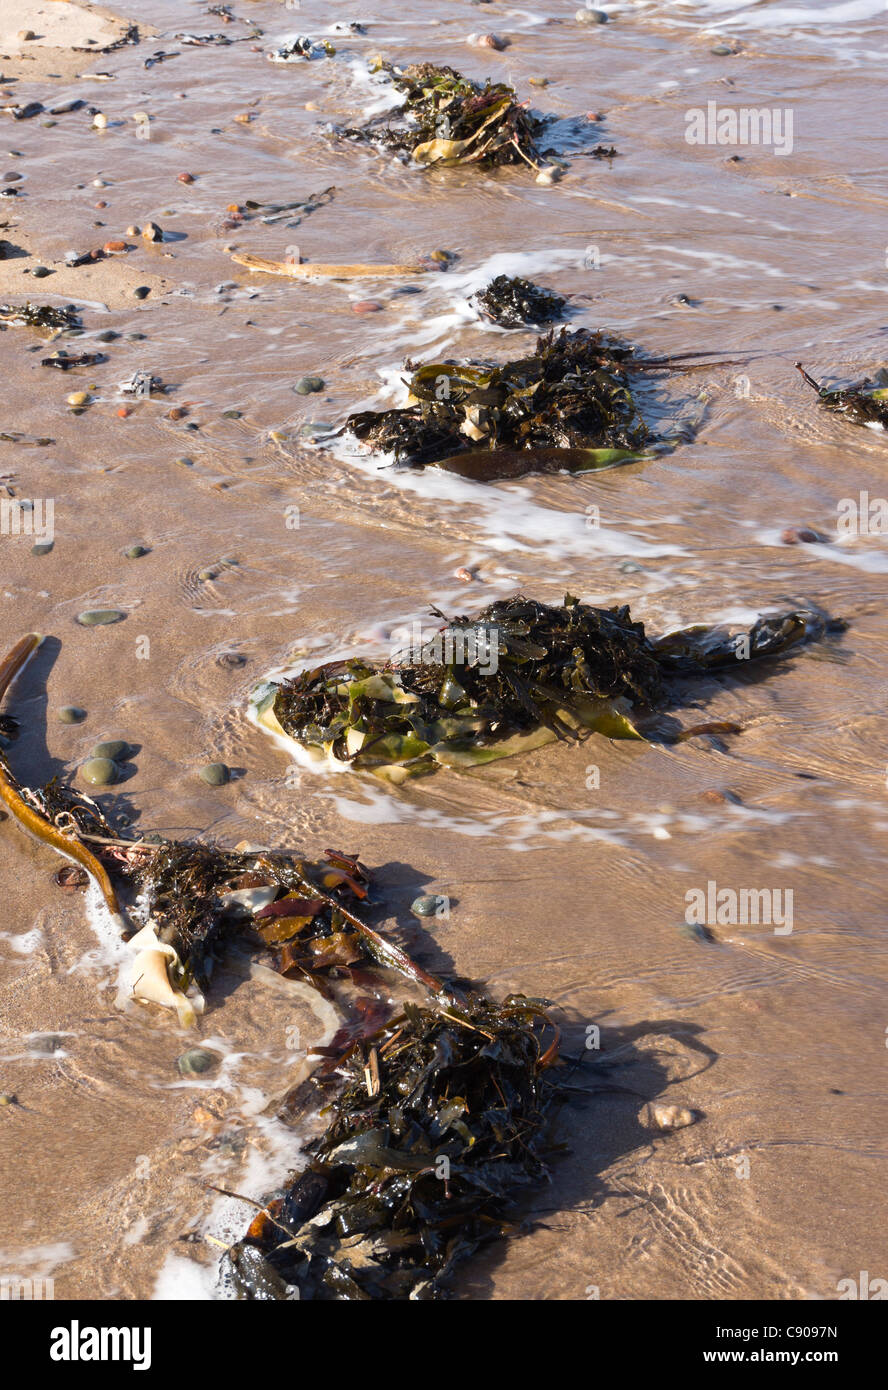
<point x="558" y="887"/>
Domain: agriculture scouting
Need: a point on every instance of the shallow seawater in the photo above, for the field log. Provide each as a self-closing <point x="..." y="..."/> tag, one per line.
<point x="567" y="870"/>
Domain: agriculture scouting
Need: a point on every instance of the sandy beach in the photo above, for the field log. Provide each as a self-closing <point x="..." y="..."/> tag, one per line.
<point x="267" y="548"/>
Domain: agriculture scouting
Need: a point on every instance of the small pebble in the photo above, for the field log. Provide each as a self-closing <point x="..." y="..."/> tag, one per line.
<point x="78" y="398"/>
<point x="366" y="306"/>
<point x="100" y="121"/>
<point x="591" y="17"/>
<point x="307" y="384"/>
<point x="538" y="81"/>
<point x="214" y="774"/>
<point x="488" y="41"/>
<point x="722" y="50"/>
<point x="151" y="232"/>
<point x="108" y="336"/>
<point x="113" y="248"/>
<point x="135" y="552"/>
<point x="41" y="548"/>
<point x="133" y="230"/>
<point x="232" y="660"/>
<point x="196" y="1061"/>
<point x="206" y="575"/>
<point x="429" y="905"/>
<point x="186" y="178"/>
<point x="465" y="575"/>
<point x="135" y="337"/>
<point x="7" y="1098"/>
<point x="71" y="714"/>
<point x="100" y="617"/>
<point x="26" y="35"/>
<point x="99" y="772"/>
<point x="629" y="567"/>
<point x="123" y="412"/>
<point x="804" y="535"/>
<point x="185" y="462"/>
<point x="114" y="748"/>
<point x="40" y="272"/>
<point x="670" y="1116"/>
<point x="442" y="257"/>
<point x="71" y="877"/>
<point x="232" y="414"/>
<point x="142" y="291"/>
<point x="550" y="173"/>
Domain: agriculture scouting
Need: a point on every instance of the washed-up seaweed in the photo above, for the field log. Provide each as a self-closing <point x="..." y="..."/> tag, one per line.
<point x="439" y="1126"/>
<point x="446" y="119"/>
<point x="865" y="403"/>
<point x="438" y="1132"/>
<point x="570" y="395"/>
<point x="512" y="302"/>
<point x="46" y="813"/>
<point x="519" y="675"/>
<point x="38" y="316"/>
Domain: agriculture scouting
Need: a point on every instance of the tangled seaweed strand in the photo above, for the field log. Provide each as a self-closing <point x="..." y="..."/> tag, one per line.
<point x="447" y="119"/>
<point x="570" y="393"/>
<point x="863" y="404"/>
<point x="439" y="1129"/>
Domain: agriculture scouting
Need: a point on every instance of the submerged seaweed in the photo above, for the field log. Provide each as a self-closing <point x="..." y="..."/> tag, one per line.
<point x="570" y="393"/>
<point x="519" y="675"/>
<point x="513" y="302"/>
<point x="439" y="1129"/>
<point x="866" y="403"/>
<point x="447" y="119"/>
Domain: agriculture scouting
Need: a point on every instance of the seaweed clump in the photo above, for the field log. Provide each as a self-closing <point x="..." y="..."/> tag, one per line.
<point x="439" y="1129"/>
<point x="864" y="404"/>
<point x="570" y="394"/>
<point x="513" y="302"/>
<point x="447" y="119"/>
<point x="519" y="675"/>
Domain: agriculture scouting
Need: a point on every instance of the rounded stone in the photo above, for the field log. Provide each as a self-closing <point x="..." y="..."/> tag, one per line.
<point x="214" y="774"/>
<point x="40" y="272"/>
<point x="71" y="714"/>
<point x="77" y="398"/>
<point x="588" y="16"/>
<point x="231" y="660"/>
<point x="142" y="291"/>
<point x="135" y="552"/>
<point x="100" y="617"/>
<point x="196" y="1061"/>
<point x="206" y="575"/>
<point x="306" y="385"/>
<point x="42" y="547"/>
<point x="429" y="905"/>
<point x="114" y="748"/>
<point x="108" y="336"/>
<point x="99" y="772"/>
